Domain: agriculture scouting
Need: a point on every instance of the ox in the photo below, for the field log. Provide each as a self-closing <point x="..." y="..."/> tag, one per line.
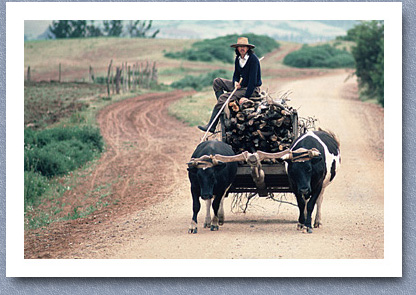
<point x="308" y="179"/>
<point x="210" y="179"/>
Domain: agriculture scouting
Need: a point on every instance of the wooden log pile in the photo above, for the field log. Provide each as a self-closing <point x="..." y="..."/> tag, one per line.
<point x="259" y="124"/>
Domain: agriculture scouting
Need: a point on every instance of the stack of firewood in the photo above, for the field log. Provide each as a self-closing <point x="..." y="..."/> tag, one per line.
<point x="259" y="124"/>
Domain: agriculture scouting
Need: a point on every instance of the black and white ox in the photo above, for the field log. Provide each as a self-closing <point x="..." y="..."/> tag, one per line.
<point x="210" y="180"/>
<point x="308" y="179"/>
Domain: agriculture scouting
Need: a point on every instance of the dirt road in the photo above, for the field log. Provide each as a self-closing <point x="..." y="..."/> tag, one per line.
<point x="145" y="164"/>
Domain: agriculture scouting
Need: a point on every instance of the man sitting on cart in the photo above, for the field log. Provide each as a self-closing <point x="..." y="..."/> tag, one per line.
<point x="247" y="68"/>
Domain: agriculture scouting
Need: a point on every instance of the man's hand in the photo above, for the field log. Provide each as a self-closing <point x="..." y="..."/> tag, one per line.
<point x="237" y="85"/>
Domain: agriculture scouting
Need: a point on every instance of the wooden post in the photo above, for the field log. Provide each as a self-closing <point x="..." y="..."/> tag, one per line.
<point x="59" y="73"/>
<point x="129" y="76"/>
<point x="28" y="74"/>
<point x="112" y="81"/>
<point x="118" y="76"/>
<point x="154" y="73"/>
<point x="108" y="77"/>
<point x="91" y="72"/>
<point x="148" y="73"/>
<point x="138" y="74"/>
<point x="134" y="77"/>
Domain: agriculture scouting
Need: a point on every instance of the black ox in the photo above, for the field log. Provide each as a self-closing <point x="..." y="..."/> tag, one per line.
<point x="210" y="179"/>
<point x="308" y="179"/>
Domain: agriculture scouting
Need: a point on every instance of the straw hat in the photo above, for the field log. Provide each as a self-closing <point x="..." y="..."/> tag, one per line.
<point x="242" y="41"/>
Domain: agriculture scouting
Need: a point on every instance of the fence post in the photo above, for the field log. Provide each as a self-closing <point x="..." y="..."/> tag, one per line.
<point x="134" y="77"/>
<point x="118" y="76"/>
<point x="129" y="77"/>
<point x="28" y="74"/>
<point x="112" y="81"/>
<point x="92" y="74"/>
<point x="154" y="73"/>
<point x="108" y="78"/>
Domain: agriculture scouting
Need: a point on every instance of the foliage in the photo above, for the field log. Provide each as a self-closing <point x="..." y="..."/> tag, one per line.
<point x="57" y="151"/>
<point x="369" y="58"/>
<point x="68" y="28"/>
<point x="199" y="82"/>
<point x="113" y="28"/>
<point x="323" y="56"/>
<point x="219" y="48"/>
<point x="139" y="29"/>
<point x="35" y="186"/>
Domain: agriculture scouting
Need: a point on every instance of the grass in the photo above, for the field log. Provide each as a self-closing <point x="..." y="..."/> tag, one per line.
<point x="47" y="103"/>
<point x="194" y="109"/>
<point x="56" y="205"/>
<point x="76" y="55"/>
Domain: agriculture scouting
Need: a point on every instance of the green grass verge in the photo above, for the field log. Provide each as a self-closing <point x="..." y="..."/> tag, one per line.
<point x="194" y="109"/>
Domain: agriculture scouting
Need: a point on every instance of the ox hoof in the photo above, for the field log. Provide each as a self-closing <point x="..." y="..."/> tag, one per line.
<point x="307" y="230"/>
<point x="214" y="227"/>
<point x="221" y="220"/>
<point x="206" y="225"/>
<point x="193" y="230"/>
<point x="317" y="225"/>
<point x="300" y="226"/>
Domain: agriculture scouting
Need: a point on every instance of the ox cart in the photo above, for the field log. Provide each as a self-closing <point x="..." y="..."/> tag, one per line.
<point x="260" y="131"/>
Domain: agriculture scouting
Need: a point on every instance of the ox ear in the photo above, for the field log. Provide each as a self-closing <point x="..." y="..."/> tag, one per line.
<point x="192" y="169"/>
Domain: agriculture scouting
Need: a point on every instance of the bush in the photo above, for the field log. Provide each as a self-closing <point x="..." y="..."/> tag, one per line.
<point x="57" y="151"/>
<point x="369" y="58"/>
<point x="201" y="81"/>
<point x="324" y="56"/>
<point x="219" y="48"/>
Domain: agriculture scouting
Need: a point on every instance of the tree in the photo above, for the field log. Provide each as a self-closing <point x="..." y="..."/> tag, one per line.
<point x="68" y="29"/>
<point x="93" y="31"/>
<point x="139" y="29"/>
<point x="60" y="29"/>
<point x="113" y="28"/>
<point x="369" y="58"/>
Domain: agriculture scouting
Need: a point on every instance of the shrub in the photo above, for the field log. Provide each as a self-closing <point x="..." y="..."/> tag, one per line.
<point x="57" y="151"/>
<point x="219" y="48"/>
<point x="324" y="56"/>
<point x="201" y="81"/>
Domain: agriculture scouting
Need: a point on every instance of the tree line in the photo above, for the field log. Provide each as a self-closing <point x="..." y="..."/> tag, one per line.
<point x="60" y="29"/>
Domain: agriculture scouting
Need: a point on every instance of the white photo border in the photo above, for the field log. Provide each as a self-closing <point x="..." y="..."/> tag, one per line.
<point x="18" y="12"/>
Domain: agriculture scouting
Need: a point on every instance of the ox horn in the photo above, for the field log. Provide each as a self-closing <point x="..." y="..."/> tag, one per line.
<point x="287" y="157"/>
<point x="313" y="153"/>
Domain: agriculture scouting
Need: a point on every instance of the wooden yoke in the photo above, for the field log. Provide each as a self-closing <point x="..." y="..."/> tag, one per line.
<point x="254" y="158"/>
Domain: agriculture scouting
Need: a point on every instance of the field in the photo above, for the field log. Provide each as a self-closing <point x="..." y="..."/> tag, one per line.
<point x="134" y="202"/>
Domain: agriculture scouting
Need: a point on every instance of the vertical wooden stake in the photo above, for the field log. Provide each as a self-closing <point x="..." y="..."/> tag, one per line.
<point x="129" y="76"/>
<point x="108" y="78"/>
<point x="118" y="78"/>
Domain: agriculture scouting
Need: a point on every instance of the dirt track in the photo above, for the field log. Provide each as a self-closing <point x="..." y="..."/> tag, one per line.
<point x="145" y="162"/>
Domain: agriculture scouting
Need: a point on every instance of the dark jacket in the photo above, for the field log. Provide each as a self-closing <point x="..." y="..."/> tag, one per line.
<point x="250" y="73"/>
